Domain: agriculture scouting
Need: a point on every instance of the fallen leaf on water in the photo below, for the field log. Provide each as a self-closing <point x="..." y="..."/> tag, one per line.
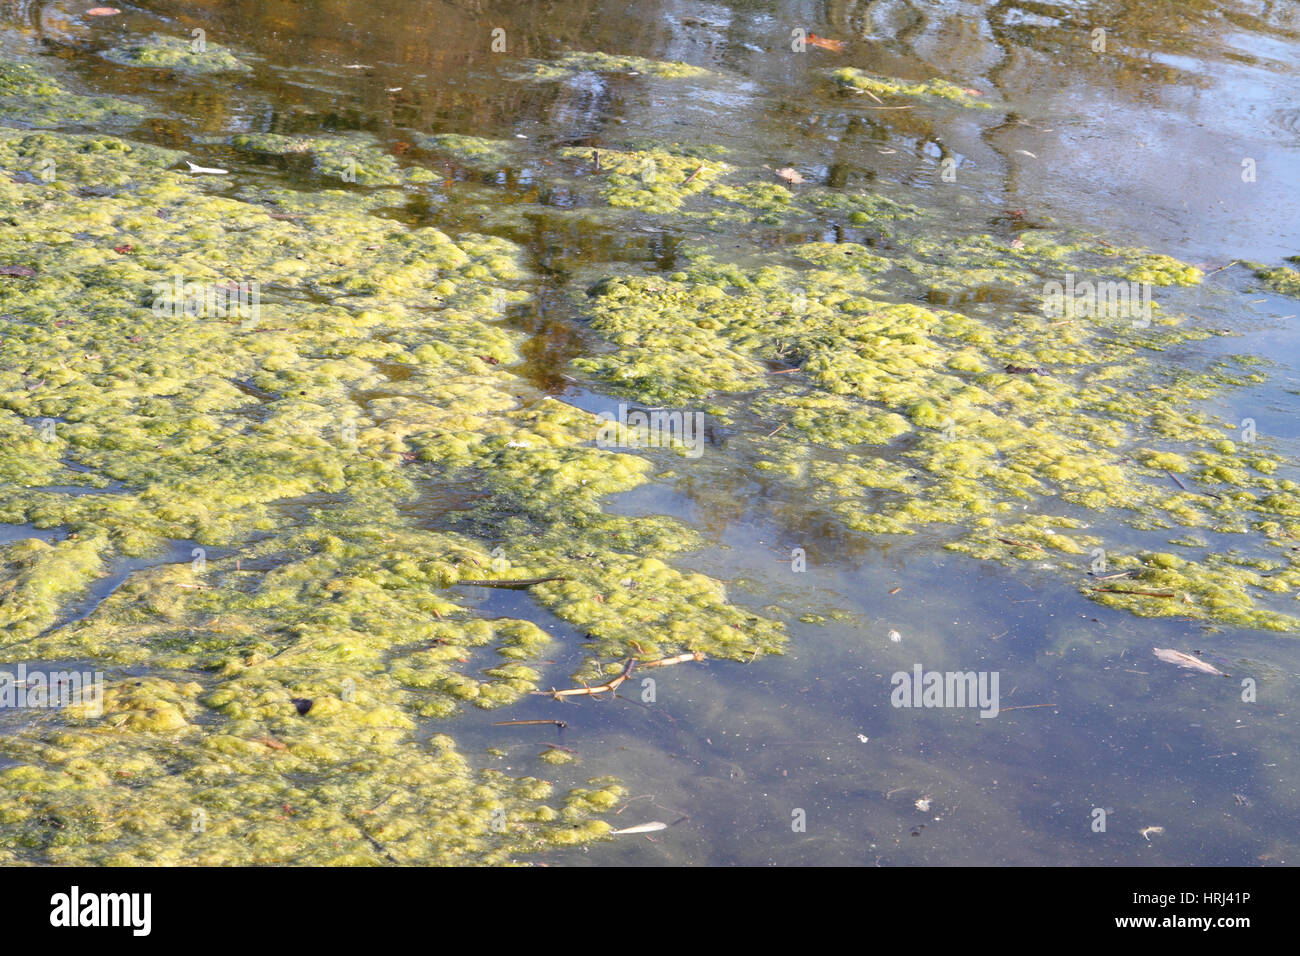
<point x="124" y="248"/>
<point x="790" y="175"/>
<point x="25" y="271"/>
<point x="1147" y="831"/>
<point x="103" y="12"/>
<point x="205" y="169"/>
<point x="640" y="828"/>
<point x="835" y="46"/>
<point x="1170" y="656"/>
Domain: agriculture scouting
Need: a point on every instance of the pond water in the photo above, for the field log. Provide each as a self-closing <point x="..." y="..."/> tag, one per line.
<point x="803" y="757"/>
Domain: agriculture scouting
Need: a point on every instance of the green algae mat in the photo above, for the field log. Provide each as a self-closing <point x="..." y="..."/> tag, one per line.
<point x="284" y="385"/>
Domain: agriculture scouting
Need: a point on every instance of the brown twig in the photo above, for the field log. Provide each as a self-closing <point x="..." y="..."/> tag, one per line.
<point x="1022" y="544"/>
<point x="679" y="659"/>
<point x="1159" y="594"/>
<point x="1221" y="268"/>
<point x="610" y="685"/>
<point x="528" y="723"/>
<point x="518" y="583"/>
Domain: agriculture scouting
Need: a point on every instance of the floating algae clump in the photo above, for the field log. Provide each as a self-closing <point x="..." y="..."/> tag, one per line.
<point x="954" y="420"/>
<point x="299" y="453"/>
<point x="175" y="53"/>
<point x="935" y="89"/>
<point x="354" y="159"/>
<point x="579" y="62"/>
<point x="471" y="150"/>
<point x="651" y="180"/>
<point x="1280" y="279"/>
<point x="30" y="99"/>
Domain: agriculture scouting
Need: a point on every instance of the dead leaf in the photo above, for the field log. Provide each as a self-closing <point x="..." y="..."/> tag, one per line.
<point x="103" y="12"/>
<point x="835" y="46"/>
<point x="1170" y="656"/>
<point x="25" y="271"/>
<point x="652" y="827"/>
<point x="790" y="175"/>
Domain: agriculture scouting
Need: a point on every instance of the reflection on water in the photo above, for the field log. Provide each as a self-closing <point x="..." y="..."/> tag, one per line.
<point x="1142" y="139"/>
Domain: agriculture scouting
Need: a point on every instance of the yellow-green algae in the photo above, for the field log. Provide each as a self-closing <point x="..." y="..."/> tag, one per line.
<point x="304" y="449"/>
<point x="176" y="53"/>
<point x="31" y="99"/>
<point x="355" y="158"/>
<point x="961" y="420"/>
<point x="473" y="151"/>
<point x="651" y="180"/>
<point x="1281" y="279"/>
<point x="934" y="89"/>
<point x="595" y="62"/>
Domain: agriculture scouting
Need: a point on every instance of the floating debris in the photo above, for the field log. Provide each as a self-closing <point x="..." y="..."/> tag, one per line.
<point x="210" y="170"/>
<point x="1170" y="656"/>
<point x="517" y="584"/>
<point x="609" y="686"/>
<point x="652" y="827"/>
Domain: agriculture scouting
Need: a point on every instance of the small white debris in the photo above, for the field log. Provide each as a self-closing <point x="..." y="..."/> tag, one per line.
<point x="1147" y="831"/>
<point x="895" y="636"/>
<point x="863" y="738"/>
<point x="520" y="136"/>
<point x="516" y="444"/>
<point x="923" y="804"/>
<point x="640" y="828"/>
<point x="212" y="170"/>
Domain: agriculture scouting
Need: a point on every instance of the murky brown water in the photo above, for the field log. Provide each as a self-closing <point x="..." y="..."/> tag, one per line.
<point x="1143" y="143"/>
